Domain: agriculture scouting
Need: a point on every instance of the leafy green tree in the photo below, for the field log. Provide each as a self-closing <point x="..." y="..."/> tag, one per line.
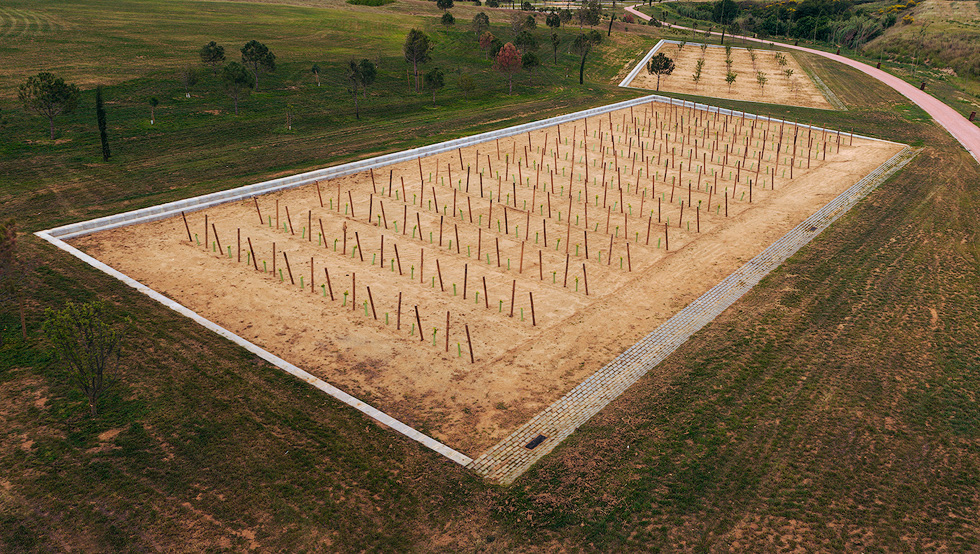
<point x="238" y="83"/>
<point x="584" y="43"/>
<point x="529" y="62"/>
<point x="526" y="6"/>
<point x="508" y="62"/>
<point x="725" y="11"/>
<point x="13" y="272"/>
<point x="154" y="102"/>
<point x="258" y="58"/>
<point x="86" y="343"/>
<point x="444" y="4"/>
<point x="525" y="42"/>
<point x="730" y="79"/>
<point x="188" y="77"/>
<point x="369" y="73"/>
<point x="660" y="65"/>
<point x="418" y="50"/>
<point x="481" y="24"/>
<point x="447" y="19"/>
<point x="50" y="96"/>
<point x="555" y="43"/>
<point x="213" y="55"/>
<point x="434" y="80"/>
<point x="316" y="71"/>
<point x="101" y="121"/>
<point x="466" y="84"/>
<point x="495" y="45"/>
<point x="553" y="20"/>
<point x="590" y="13"/>
<point x="565" y="15"/>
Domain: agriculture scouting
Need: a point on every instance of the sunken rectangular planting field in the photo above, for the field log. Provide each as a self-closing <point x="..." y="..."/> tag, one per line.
<point x="785" y="81"/>
<point x="540" y="256"/>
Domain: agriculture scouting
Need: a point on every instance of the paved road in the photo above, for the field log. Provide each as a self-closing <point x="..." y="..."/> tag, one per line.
<point x="960" y="127"/>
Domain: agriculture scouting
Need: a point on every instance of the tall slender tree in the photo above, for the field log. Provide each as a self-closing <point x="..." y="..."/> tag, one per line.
<point x="237" y="81"/>
<point x="660" y="65"/>
<point x="418" y="50"/>
<point x="100" y="119"/>
<point x="212" y="55"/>
<point x="508" y="62"/>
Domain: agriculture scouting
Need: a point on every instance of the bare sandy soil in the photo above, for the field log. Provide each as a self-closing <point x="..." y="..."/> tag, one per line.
<point x="794" y="90"/>
<point x="572" y="203"/>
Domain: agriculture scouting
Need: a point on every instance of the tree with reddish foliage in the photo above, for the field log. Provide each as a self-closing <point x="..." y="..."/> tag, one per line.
<point x="508" y="62"/>
<point x="486" y="39"/>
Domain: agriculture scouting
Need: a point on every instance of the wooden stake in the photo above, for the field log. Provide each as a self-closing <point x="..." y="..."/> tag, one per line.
<point x="290" y="221"/>
<point x="205" y="231"/>
<point x="309" y="226"/>
<point x="398" y="259"/>
<point x="398" y="324"/>
<point x="419" y="321"/>
<point x="216" y="239"/>
<point x="329" y="286"/>
<point x="312" y="285"/>
<point x="521" y="267"/>
<point x="486" y="297"/>
<point x="585" y="278"/>
<point x="322" y="234"/>
<point x="359" y="251"/>
<point x="565" y="283"/>
<point x="188" y="227"/>
<point x="318" y="195"/>
<point x="447" y="315"/>
<point x="497" y="240"/>
<point x="288" y="268"/>
<point x="534" y="322"/>
<point x="469" y="343"/>
<point x="439" y="271"/>
<point x="351" y="198"/>
<point x="256" y="200"/>
<point x="255" y="262"/>
<point x="239" y="245"/>
<point x="629" y="262"/>
<point x="540" y="266"/>
<point x="456" y="228"/>
<point x="371" y="298"/>
<point x="513" y="291"/>
<point x="466" y="274"/>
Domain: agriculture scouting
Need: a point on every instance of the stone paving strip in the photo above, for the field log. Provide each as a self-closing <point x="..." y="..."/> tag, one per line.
<point x="511" y="457"/>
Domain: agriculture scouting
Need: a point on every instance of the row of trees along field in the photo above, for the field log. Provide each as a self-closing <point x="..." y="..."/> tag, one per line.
<point x="50" y="96"/>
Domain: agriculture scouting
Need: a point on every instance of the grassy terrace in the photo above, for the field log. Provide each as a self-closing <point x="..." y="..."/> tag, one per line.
<point x="833" y="408"/>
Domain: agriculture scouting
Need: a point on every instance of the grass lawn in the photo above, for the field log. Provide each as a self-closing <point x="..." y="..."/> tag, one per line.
<point x="833" y="408"/>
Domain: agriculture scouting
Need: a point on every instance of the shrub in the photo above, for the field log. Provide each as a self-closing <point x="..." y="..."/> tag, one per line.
<point x="908" y="20"/>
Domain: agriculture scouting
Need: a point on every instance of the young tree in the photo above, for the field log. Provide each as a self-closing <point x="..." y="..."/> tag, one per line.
<point x="188" y="77"/>
<point x="50" y="96"/>
<point x="213" y="55"/>
<point x="447" y="19"/>
<point x="237" y="81"/>
<point x="444" y="4"/>
<point x="584" y="43"/>
<point x="316" y="72"/>
<point x="565" y="15"/>
<point x="730" y="79"/>
<point x="508" y="62"/>
<point x="590" y="13"/>
<point x="481" y="24"/>
<point x="525" y="42"/>
<point x="12" y="273"/>
<point x="466" y="84"/>
<point x="529" y="61"/>
<point x="660" y="65"/>
<point x="555" y="43"/>
<point x="84" y="341"/>
<point x="762" y="79"/>
<point x="257" y="57"/>
<point x="703" y="48"/>
<point x="369" y="72"/>
<point x="553" y="20"/>
<point x="788" y="73"/>
<point x="101" y="121"/>
<point x="418" y="49"/>
<point x="486" y="39"/>
<point x="354" y="78"/>
<point x="697" y="73"/>
<point x="153" y="106"/>
<point x="434" y="80"/>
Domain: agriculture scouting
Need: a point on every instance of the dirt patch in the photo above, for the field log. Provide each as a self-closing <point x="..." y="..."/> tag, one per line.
<point x="453" y="247"/>
<point x="793" y="90"/>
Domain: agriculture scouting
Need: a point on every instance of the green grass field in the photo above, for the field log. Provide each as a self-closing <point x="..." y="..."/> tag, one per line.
<point x="833" y="408"/>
